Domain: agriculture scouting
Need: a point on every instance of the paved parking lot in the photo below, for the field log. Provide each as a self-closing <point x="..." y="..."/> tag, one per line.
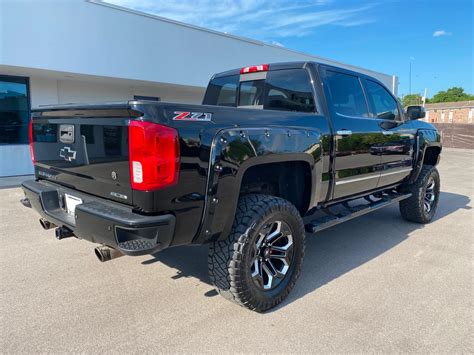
<point x="374" y="284"/>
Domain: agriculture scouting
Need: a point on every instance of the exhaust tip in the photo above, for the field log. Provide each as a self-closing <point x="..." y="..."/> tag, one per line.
<point x="46" y="224"/>
<point x="104" y="253"/>
<point x="100" y="255"/>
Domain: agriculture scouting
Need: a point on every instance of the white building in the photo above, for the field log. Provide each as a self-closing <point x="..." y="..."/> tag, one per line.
<point x="54" y="51"/>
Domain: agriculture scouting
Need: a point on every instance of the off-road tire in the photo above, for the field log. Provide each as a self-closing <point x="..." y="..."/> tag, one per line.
<point x="230" y="260"/>
<point x="412" y="209"/>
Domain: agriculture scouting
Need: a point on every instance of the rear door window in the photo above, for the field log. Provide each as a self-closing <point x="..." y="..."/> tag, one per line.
<point x="346" y="95"/>
<point x="289" y="90"/>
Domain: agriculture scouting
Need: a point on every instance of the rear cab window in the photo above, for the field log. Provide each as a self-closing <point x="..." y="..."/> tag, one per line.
<point x="283" y="90"/>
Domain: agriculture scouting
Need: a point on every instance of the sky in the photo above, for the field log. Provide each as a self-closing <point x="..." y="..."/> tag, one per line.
<point x="435" y="36"/>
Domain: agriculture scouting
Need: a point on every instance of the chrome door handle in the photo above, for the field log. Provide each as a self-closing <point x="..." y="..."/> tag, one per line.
<point x="387" y="133"/>
<point x="344" y="132"/>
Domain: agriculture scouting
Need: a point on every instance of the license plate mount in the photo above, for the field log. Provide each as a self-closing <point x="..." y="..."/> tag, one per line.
<point x="71" y="203"/>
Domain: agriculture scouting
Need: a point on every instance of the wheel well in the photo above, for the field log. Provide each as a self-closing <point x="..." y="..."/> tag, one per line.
<point x="288" y="180"/>
<point x="431" y="156"/>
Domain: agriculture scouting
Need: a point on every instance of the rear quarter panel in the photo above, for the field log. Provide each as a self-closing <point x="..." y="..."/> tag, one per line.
<point x="237" y="149"/>
<point x="267" y="136"/>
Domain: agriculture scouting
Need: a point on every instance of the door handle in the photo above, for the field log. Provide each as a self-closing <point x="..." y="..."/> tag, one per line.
<point x="387" y="133"/>
<point x="344" y="132"/>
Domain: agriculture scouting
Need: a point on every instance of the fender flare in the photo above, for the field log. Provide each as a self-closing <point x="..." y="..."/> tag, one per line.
<point x="425" y="138"/>
<point x="236" y="150"/>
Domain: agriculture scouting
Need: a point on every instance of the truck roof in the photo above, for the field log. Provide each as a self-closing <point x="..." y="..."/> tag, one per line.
<point x="290" y="65"/>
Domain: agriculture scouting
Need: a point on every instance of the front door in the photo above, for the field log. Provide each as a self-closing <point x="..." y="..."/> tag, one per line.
<point x="357" y="136"/>
<point x="399" y="136"/>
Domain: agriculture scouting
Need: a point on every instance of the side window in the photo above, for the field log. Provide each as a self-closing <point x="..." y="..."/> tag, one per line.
<point x="383" y="104"/>
<point x="289" y="90"/>
<point x="251" y="93"/>
<point x="346" y="94"/>
<point x="222" y="91"/>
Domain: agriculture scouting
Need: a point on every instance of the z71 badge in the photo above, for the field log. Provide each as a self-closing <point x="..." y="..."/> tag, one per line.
<point x="192" y="116"/>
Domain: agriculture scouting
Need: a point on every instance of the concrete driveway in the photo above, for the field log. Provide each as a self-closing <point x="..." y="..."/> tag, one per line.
<point x="374" y="284"/>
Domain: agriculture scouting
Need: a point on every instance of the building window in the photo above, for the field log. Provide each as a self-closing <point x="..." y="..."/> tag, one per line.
<point x="14" y="110"/>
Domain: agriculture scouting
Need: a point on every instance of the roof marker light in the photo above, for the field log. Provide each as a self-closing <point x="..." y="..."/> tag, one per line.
<point x="254" y="69"/>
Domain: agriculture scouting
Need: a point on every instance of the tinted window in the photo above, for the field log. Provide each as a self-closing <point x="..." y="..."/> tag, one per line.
<point x="383" y="104"/>
<point x="45" y="133"/>
<point x="289" y="90"/>
<point x="251" y="93"/>
<point x="88" y="132"/>
<point x="112" y="140"/>
<point x="222" y="91"/>
<point x="346" y="94"/>
<point x="14" y="110"/>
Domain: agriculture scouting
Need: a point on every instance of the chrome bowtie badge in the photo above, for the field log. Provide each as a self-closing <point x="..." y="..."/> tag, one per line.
<point x="67" y="154"/>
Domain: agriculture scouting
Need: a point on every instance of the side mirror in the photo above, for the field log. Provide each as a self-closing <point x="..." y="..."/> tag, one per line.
<point x="415" y="112"/>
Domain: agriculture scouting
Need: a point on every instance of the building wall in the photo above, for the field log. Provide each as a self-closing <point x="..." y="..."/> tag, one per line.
<point x="49" y="91"/>
<point x="15" y="159"/>
<point x="463" y="115"/>
<point x="93" y="38"/>
<point x="454" y="121"/>
<point x="88" y="51"/>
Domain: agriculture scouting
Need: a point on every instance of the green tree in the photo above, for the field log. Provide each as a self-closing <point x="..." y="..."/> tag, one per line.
<point x="413" y="99"/>
<point x="451" y="95"/>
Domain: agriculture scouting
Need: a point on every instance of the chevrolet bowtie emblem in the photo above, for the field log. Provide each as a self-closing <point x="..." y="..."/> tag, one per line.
<point x="67" y="154"/>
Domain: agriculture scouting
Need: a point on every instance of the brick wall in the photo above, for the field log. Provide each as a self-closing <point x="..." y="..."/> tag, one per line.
<point x="463" y="115"/>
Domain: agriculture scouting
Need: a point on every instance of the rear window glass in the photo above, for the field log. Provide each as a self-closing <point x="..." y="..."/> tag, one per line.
<point x="346" y="94"/>
<point x="222" y="91"/>
<point x="285" y="90"/>
<point x="251" y="93"/>
<point x="45" y="133"/>
<point x="289" y="90"/>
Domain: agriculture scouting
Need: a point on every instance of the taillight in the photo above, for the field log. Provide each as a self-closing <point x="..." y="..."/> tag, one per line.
<point x="30" y="135"/>
<point x="153" y="154"/>
<point x="254" y="69"/>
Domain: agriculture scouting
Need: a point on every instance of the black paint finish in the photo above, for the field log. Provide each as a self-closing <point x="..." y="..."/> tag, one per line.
<point x="216" y="154"/>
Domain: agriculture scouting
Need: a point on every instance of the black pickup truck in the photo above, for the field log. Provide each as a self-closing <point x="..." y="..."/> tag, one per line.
<point x="275" y="152"/>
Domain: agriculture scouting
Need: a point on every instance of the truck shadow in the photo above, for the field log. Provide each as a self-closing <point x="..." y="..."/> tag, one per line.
<point x="330" y="253"/>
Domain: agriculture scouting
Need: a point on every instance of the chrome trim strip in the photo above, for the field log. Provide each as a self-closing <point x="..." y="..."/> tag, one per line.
<point x="373" y="177"/>
<point x="357" y="179"/>
<point x="397" y="172"/>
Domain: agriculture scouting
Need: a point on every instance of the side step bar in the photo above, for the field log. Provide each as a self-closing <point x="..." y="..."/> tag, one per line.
<point x="350" y="212"/>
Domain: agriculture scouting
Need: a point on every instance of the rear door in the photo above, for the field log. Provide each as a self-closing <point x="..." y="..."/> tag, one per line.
<point x="356" y="134"/>
<point x="84" y="150"/>
<point x="396" y="150"/>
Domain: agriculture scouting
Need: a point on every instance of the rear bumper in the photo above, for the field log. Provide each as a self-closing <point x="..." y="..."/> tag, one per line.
<point x="101" y="221"/>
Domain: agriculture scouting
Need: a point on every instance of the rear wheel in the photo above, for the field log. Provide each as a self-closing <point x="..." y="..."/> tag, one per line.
<point x="257" y="266"/>
<point x="421" y="206"/>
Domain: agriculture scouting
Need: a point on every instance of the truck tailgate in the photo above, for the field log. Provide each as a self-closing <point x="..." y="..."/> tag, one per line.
<point x="84" y="149"/>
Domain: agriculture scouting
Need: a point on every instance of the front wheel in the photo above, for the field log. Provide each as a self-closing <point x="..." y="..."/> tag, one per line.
<point x="258" y="265"/>
<point x="421" y="206"/>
